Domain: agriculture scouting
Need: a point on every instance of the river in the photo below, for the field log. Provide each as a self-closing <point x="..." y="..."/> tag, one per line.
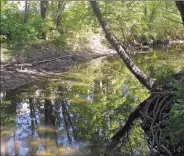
<point x="77" y="112"/>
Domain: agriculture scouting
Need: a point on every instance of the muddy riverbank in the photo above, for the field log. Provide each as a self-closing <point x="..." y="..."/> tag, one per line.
<point x="38" y="64"/>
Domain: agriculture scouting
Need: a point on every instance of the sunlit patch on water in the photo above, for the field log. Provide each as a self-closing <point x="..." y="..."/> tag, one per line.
<point x="78" y="100"/>
<point x="46" y="130"/>
<point x="60" y="151"/>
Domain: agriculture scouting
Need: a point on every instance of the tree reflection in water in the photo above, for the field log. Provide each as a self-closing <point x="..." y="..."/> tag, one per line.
<point x="76" y="113"/>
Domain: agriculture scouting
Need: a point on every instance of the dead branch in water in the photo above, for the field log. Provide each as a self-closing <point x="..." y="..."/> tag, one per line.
<point x="27" y="65"/>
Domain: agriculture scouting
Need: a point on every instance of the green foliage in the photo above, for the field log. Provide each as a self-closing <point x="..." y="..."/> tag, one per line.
<point x="144" y="21"/>
<point x="130" y="21"/>
<point x="175" y="126"/>
<point x="15" y="31"/>
<point x="5" y="102"/>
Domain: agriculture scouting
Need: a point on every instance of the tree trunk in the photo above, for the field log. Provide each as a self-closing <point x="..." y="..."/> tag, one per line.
<point x="66" y="116"/>
<point x="145" y="10"/>
<point x="180" y="6"/>
<point x="61" y="6"/>
<point x="152" y="17"/>
<point x="121" y="50"/>
<point x="43" y="8"/>
<point x="43" y="11"/>
<point x="49" y="117"/>
<point x="26" y="11"/>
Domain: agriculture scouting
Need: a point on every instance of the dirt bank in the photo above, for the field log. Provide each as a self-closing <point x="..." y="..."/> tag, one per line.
<point x="39" y="63"/>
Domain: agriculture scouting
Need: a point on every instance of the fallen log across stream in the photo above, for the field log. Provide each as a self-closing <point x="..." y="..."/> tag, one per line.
<point x="75" y="57"/>
<point x="34" y="63"/>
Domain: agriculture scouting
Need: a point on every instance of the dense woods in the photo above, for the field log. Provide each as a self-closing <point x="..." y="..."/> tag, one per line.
<point x="132" y="22"/>
<point x="150" y="87"/>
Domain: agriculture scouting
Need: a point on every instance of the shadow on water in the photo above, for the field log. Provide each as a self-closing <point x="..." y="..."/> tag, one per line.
<point x="77" y="113"/>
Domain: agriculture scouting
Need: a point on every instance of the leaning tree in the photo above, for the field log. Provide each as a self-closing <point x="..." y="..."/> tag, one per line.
<point x="154" y="111"/>
<point x="180" y="6"/>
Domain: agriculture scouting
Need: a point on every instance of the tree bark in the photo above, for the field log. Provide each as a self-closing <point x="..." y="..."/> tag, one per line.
<point x="180" y="6"/>
<point x="26" y="11"/>
<point x="145" y="10"/>
<point x="61" y="6"/>
<point x="152" y="16"/>
<point x="121" y="50"/>
<point x="43" y="9"/>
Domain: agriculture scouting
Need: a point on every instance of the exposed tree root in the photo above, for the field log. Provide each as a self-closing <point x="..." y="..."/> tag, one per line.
<point x="153" y="112"/>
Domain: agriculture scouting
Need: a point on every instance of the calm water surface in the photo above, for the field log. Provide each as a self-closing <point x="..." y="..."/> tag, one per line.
<point x="77" y="112"/>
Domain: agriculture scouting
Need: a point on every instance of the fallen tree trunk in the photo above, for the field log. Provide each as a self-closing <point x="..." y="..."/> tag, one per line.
<point x="24" y="65"/>
<point x="73" y="57"/>
<point x="50" y="60"/>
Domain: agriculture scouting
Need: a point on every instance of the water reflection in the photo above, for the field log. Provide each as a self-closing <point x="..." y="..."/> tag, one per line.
<point x="77" y="113"/>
